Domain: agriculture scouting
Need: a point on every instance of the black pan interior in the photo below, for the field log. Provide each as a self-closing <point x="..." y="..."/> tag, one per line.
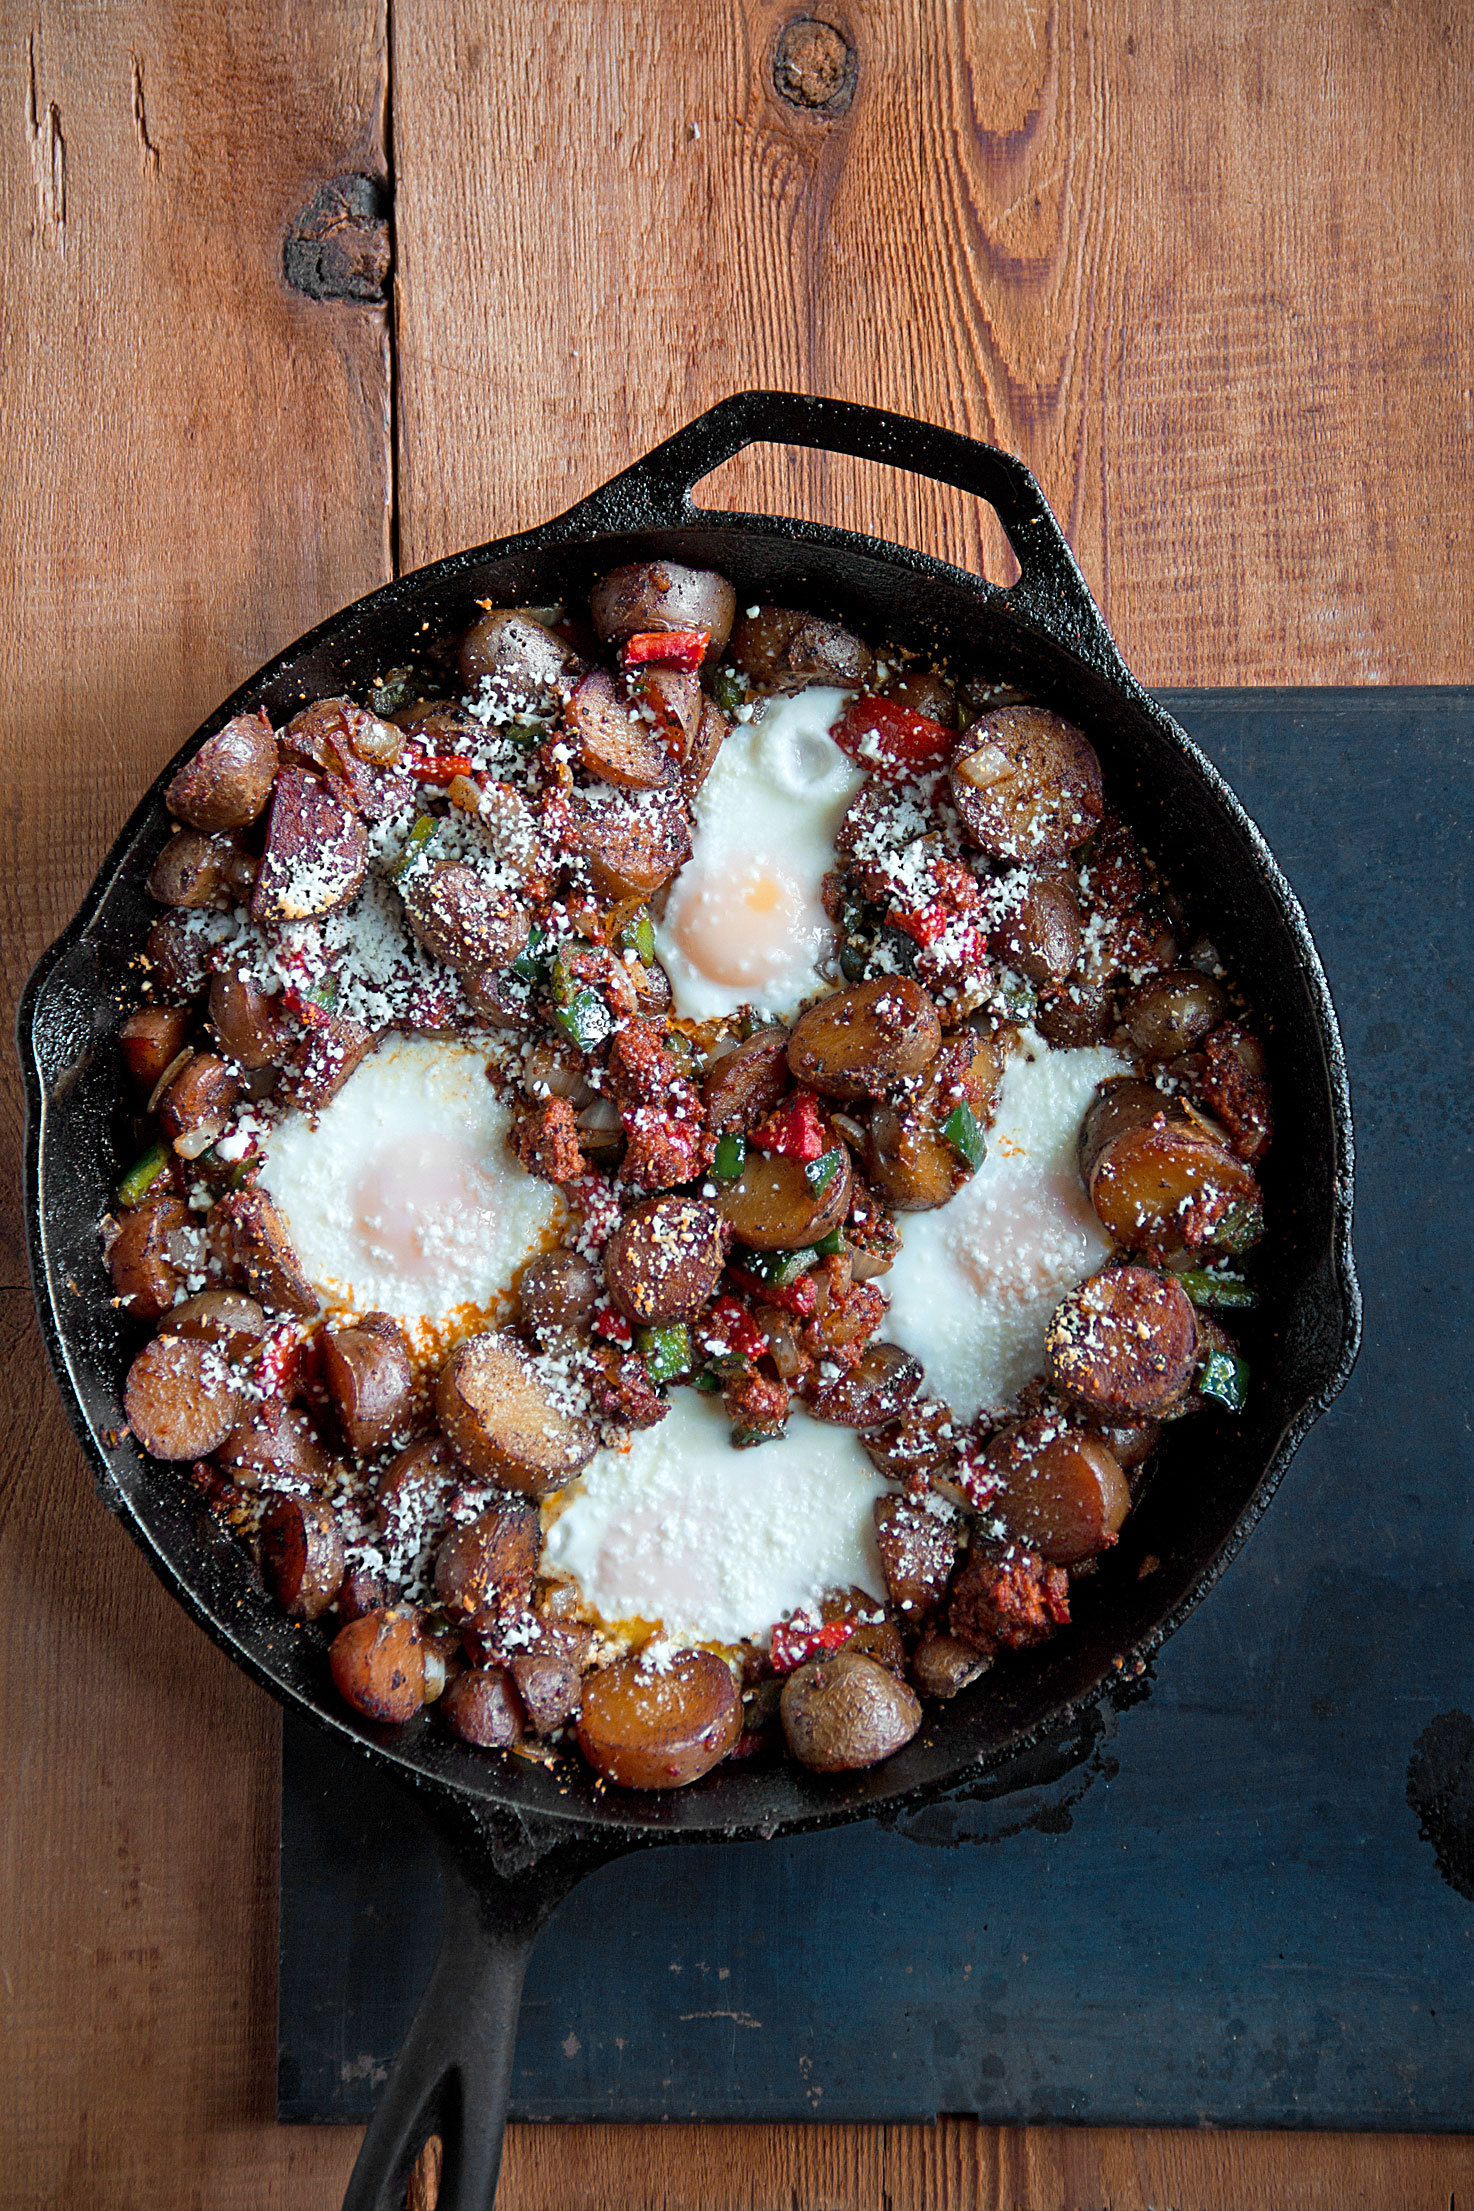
<point x="1215" y="1476"/>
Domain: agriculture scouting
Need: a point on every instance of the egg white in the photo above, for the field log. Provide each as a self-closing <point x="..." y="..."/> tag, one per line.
<point x="744" y="923"/>
<point x="975" y="1282"/>
<point x="402" y="1194"/>
<point x="714" y="1544"/>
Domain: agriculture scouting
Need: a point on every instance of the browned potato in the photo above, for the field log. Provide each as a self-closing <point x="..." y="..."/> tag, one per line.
<point x="237" y="1324"/>
<point x="181" y="1398"/>
<point x="251" y="1238"/>
<point x="781" y="648"/>
<point x="921" y="1442"/>
<point x="941" y="1666"/>
<point x="320" y="1062"/>
<point x="1040" y="936"/>
<point x="917" y="1538"/>
<point x="380" y="1665"/>
<point x="272" y="1442"/>
<point x="1130" y="1443"/>
<point x="197" y="1102"/>
<point x="874" y="1632"/>
<point x="845" y="1712"/>
<point x="632" y="845"/>
<point x="499" y="1414"/>
<point x="1027" y="784"/>
<point x="177" y="957"/>
<point x="488" y="1565"/>
<point x="550" y="1688"/>
<point x="368" y="1379"/>
<point x="675" y="697"/>
<point x="659" y="1728"/>
<point x="712" y="732"/>
<point x="462" y="919"/>
<point x="1124" y="1343"/>
<point x="529" y="661"/>
<point x="663" y="595"/>
<point x="362" y="1590"/>
<point x="558" y="1291"/>
<point x="665" y="1259"/>
<point x="872" y="1392"/>
<point x="497" y="999"/>
<point x="747" y="1083"/>
<point x="151" y="1040"/>
<point x="194" y="870"/>
<point x="1173" y="1012"/>
<point x="1063" y="1495"/>
<point x="1234" y="1083"/>
<point x="772" y="1206"/>
<point x="925" y="692"/>
<point x="1162" y="1190"/>
<point x="483" y="1708"/>
<point x="908" y="1159"/>
<point x="229" y="780"/>
<point x="247" y="1021"/>
<point x="1126" y="1102"/>
<point x="156" y="1244"/>
<point x="858" y="1041"/>
<point x="614" y="742"/>
<point x="1078" y="1012"/>
<point x="911" y="1163"/>
<point x="302" y="1552"/>
<point x="316" y="854"/>
<point x="415" y="1489"/>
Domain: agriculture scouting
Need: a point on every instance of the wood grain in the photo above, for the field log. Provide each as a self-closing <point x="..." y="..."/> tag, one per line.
<point x="196" y="458"/>
<point x="1208" y="268"/>
<point x="1206" y="264"/>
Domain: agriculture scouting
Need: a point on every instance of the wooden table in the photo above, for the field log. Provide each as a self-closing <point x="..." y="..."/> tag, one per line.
<point x="1205" y="265"/>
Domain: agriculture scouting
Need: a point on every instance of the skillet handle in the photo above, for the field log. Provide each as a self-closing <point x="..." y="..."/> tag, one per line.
<point x="453" y="2075"/>
<point x="1051" y="594"/>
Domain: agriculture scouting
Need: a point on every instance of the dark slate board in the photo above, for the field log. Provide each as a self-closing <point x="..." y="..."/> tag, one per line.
<point x="1245" y="1897"/>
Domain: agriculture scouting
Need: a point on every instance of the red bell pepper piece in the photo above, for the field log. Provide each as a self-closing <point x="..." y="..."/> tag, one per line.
<point x="434" y="767"/>
<point x="801" y="1297"/>
<point x="729" y="1328"/>
<point x="611" y="1323"/>
<point x="890" y="739"/>
<point x="284" y="1362"/>
<point x="672" y="648"/>
<point x="803" y="1637"/>
<point x="795" y="1128"/>
<point x="924" y="924"/>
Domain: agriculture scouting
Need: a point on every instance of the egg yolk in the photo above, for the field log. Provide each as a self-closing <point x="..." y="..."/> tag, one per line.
<point x="745" y="929"/>
<point x="1028" y="1238"/>
<point x="414" y="1202"/>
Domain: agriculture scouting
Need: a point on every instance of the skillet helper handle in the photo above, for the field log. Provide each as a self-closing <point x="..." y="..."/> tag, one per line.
<point x="452" y="2076"/>
<point x="1051" y="594"/>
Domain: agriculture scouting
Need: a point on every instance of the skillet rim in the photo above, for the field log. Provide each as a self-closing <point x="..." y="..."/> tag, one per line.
<point x="635" y="1821"/>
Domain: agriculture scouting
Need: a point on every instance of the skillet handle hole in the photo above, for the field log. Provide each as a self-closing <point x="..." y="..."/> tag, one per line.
<point x="875" y="497"/>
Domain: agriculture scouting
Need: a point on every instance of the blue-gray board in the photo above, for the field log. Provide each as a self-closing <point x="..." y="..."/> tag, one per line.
<point x="1245" y="1898"/>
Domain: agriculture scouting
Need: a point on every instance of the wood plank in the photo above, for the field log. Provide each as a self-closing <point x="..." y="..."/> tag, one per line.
<point x="961" y="2166"/>
<point x="196" y="470"/>
<point x="1190" y="261"/>
<point x="196" y="456"/>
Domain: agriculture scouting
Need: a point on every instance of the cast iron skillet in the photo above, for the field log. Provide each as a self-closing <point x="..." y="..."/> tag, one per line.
<point x="518" y="1836"/>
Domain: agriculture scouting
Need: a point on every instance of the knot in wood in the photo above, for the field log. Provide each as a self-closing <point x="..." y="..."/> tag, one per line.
<point x="338" y="247"/>
<point x="815" y="68"/>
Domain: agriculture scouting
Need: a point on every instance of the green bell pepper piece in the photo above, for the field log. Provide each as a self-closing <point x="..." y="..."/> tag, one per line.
<point x="142" y="1176"/>
<point x="1224" y="1377"/>
<point x="963" y="1133"/>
